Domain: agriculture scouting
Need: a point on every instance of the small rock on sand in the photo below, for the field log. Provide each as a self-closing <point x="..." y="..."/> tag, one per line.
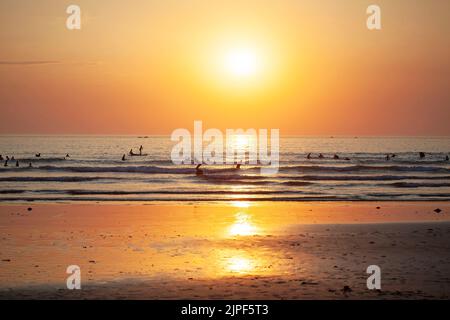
<point x="346" y="289"/>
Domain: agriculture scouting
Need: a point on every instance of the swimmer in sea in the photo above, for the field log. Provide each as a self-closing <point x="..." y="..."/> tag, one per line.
<point x="198" y="171"/>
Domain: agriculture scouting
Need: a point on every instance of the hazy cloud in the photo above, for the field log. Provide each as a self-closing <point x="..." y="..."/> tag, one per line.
<point x="28" y="62"/>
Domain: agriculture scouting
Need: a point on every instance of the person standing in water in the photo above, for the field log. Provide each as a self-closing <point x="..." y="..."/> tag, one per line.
<point x="123" y="158"/>
<point x="198" y="171"/>
<point x="17" y="163"/>
<point x="140" y="150"/>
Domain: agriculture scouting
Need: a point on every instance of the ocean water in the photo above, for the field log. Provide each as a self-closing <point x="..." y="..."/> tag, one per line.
<point x="95" y="172"/>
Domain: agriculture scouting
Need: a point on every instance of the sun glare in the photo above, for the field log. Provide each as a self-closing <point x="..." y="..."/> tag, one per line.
<point x="241" y="141"/>
<point x="242" y="62"/>
<point x="243" y="226"/>
<point x="241" y="204"/>
<point x="239" y="264"/>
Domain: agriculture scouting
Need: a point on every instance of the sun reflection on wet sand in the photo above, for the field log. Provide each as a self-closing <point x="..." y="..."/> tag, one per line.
<point x="242" y="226"/>
<point x="239" y="264"/>
<point x="241" y="204"/>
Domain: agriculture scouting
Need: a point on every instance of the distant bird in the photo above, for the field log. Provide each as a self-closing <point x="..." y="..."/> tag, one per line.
<point x="421" y="155"/>
<point x="335" y="157"/>
<point x="308" y="156"/>
<point x="198" y="171"/>
<point x="38" y="155"/>
<point x="320" y="156"/>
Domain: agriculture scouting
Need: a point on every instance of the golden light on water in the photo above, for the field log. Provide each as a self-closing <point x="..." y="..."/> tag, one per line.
<point x="244" y="141"/>
<point x="241" y="141"/>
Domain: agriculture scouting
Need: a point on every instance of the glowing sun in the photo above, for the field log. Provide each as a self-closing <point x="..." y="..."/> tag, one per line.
<point x="242" y="62"/>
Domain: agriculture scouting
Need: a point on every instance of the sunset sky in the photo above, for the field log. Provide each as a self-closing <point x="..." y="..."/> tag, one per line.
<point x="149" y="67"/>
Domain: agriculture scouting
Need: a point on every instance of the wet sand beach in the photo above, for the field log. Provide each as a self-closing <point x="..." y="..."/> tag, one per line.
<point x="226" y="250"/>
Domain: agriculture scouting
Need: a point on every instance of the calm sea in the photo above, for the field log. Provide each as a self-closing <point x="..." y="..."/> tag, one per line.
<point x="95" y="172"/>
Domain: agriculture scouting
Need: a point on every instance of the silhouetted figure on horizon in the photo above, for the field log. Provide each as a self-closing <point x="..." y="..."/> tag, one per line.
<point x="198" y="171"/>
<point x="17" y="163"/>
<point x="388" y="157"/>
<point x="335" y="157"/>
<point x="30" y="165"/>
<point x="446" y="158"/>
<point x="123" y="158"/>
<point x="6" y="163"/>
<point x="421" y="155"/>
<point x="131" y="152"/>
<point x="1" y="157"/>
<point x="140" y="150"/>
<point x="308" y="156"/>
<point x="12" y="158"/>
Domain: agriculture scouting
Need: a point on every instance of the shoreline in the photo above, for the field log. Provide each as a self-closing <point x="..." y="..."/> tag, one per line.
<point x="238" y="250"/>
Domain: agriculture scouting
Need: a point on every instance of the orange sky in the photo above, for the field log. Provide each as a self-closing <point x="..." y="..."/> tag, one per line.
<point x="148" y="67"/>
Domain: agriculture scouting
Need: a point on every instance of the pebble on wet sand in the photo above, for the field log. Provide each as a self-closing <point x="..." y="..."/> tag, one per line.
<point x="346" y="289"/>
